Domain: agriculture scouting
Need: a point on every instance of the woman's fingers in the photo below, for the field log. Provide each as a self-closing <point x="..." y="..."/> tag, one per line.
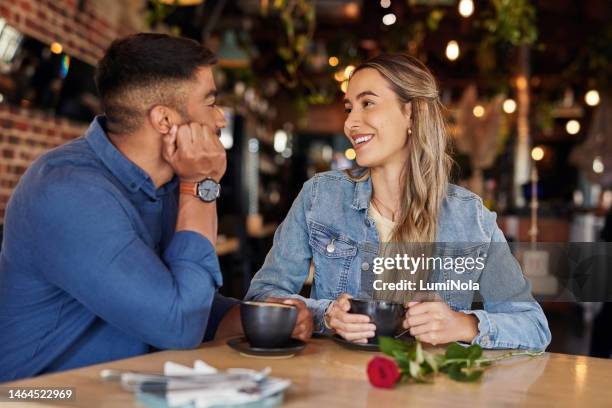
<point x="339" y="325"/>
<point x="351" y="317"/>
<point x="412" y="321"/>
<point x="358" y="337"/>
<point x="430" y="326"/>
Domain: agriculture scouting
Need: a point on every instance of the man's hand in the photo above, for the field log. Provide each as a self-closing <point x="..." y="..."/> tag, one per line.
<point x="437" y="323"/>
<point x="195" y="152"/>
<point x="303" y="323"/>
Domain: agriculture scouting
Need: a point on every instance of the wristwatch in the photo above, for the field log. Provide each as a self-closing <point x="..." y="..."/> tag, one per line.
<point x="207" y="190"/>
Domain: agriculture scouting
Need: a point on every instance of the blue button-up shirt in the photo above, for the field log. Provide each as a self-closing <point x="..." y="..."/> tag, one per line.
<point x="91" y="268"/>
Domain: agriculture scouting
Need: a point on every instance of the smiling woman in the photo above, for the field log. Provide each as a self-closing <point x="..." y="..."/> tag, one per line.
<point x="399" y="201"/>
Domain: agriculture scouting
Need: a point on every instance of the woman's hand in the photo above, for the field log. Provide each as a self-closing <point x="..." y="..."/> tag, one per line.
<point x="303" y="323"/>
<point x="352" y="327"/>
<point x="436" y="323"/>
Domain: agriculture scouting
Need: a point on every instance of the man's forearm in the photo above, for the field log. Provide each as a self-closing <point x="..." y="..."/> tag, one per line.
<point x="196" y="215"/>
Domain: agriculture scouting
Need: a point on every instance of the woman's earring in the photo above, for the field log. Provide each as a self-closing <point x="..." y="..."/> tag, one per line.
<point x="409" y="131"/>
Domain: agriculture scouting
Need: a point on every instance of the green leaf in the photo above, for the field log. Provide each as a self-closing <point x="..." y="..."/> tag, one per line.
<point x="458" y="373"/>
<point x="402" y="361"/>
<point x="388" y="345"/>
<point x="455" y="350"/>
<point x="474" y="352"/>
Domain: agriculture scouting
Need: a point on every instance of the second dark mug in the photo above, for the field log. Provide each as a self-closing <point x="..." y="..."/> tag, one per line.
<point x="387" y="316"/>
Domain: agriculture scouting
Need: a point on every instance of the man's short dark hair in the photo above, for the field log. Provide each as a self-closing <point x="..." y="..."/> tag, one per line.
<point x="143" y="70"/>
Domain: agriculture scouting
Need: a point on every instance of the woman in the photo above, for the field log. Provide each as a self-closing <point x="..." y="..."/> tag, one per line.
<point x="343" y="224"/>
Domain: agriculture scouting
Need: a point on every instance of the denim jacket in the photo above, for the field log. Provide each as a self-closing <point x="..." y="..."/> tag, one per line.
<point x="333" y="208"/>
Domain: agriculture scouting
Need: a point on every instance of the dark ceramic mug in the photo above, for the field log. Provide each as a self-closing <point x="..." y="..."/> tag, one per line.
<point x="267" y="324"/>
<point x="387" y="316"/>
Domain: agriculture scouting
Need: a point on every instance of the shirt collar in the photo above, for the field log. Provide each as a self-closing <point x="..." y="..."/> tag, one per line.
<point x="128" y="173"/>
<point x="362" y="194"/>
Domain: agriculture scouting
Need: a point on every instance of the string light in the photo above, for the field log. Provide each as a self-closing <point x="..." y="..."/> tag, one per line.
<point x="478" y="111"/>
<point x="351" y="10"/>
<point x="344" y="86"/>
<point x="598" y="166"/>
<point x="339" y="75"/>
<point x="509" y="106"/>
<point x="572" y="127"/>
<point x="385" y="3"/>
<point x="452" y="50"/>
<point x="350" y="153"/>
<point x="56" y="47"/>
<point x="537" y="153"/>
<point x="348" y="71"/>
<point x="389" y="19"/>
<point x="466" y="8"/>
<point x="592" y="98"/>
<point x="333" y="61"/>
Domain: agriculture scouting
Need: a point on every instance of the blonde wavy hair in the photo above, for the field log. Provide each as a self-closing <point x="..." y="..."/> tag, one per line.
<point x="425" y="175"/>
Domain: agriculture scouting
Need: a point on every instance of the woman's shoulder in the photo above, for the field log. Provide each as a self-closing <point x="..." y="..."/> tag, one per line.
<point x="331" y="180"/>
<point x="333" y="176"/>
<point x="461" y="193"/>
<point x="463" y="214"/>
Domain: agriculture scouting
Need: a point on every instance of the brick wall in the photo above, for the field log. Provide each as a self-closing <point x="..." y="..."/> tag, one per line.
<point x="84" y="28"/>
<point x="24" y="135"/>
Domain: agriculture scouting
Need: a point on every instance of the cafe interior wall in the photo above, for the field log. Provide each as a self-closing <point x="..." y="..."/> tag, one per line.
<point x="84" y="28"/>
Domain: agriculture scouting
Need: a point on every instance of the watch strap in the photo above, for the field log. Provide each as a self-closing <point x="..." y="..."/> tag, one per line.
<point x="188" y="188"/>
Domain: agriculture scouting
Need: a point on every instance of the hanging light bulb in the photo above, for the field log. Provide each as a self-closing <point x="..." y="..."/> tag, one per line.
<point x="592" y="98"/>
<point x="466" y="8"/>
<point x="339" y="75"/>
<point x="348" y="71"/>
<point x="598" y="166"/>
<point x="56" y="47"/>
<point x="537" y="153"/>
<point x="389" y="19"/>
<point x="333" y="61"/>
<point x="452" y="50"/>
<point x="509" y="106"/>
<point x="572" y="127"/>
<point x="478" y="111"/>
<point x="344" y="86"/>
<point x="385" y="3"/>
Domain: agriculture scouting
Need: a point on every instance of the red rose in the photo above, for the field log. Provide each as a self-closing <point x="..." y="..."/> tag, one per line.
<point x="383" y="372"/>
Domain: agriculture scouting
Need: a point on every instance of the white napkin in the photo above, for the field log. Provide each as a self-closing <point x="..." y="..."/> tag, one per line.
<point x="210" y="397"/>
<point x="199" y="367"/>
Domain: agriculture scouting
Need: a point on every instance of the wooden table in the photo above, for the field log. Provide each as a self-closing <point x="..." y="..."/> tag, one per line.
<point x="327" y="375"/>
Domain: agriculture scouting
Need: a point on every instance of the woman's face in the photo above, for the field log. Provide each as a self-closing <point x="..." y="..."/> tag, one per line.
<point x="376" y="124"/>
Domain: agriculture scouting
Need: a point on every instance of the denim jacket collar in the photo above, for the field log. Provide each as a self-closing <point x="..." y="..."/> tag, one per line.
<point x="362" y="194"/>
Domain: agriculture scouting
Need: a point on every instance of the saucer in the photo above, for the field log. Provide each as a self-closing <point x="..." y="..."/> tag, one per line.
<point x="355" y="346"/>
<point x="292" y="347"/>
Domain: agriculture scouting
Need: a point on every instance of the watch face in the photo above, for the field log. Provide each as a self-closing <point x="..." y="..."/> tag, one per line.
<point x="208" y="190"/>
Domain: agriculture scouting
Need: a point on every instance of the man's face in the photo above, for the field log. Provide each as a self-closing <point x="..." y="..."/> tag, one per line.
<point x="201" y="101"/>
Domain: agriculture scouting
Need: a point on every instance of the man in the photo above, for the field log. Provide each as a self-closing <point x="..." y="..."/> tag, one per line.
<point x="102" y="257"/>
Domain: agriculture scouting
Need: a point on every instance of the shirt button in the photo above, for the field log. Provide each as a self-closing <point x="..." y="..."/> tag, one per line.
<point x="365" y="266"/>
<point x="486" y="340"/>
<point x="331" y="247"/>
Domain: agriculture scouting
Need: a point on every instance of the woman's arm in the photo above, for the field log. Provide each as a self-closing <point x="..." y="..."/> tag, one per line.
<point x="286" y="266"/>
<point x="511" y="317"/>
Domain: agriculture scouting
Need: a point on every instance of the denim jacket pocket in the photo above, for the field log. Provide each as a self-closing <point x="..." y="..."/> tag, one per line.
<point x="333" y="253"/>
<point x="464" y="273"/>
